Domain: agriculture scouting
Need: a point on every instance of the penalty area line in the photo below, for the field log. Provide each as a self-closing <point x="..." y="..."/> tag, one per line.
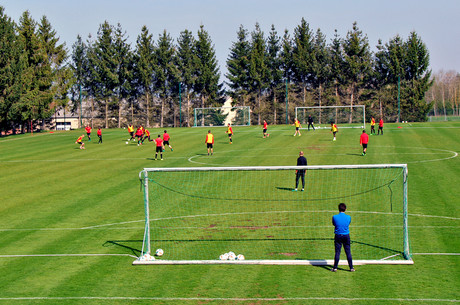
<point x="63" y="255"/>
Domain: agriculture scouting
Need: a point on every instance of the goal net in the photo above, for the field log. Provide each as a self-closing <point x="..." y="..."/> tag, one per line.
<point x="195" y="215"/>
<point x="344" y="116"/>
<point x="221" y="116"/>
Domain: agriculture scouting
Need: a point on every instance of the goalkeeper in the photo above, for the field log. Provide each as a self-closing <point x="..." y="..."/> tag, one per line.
<point x="300" y="173"/>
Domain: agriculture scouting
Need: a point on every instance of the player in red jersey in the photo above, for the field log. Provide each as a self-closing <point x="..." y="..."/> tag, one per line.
<point x="139" y="134"/>
<point x="99" y="134"/>
<point x="80" y="141"/>
<point x="88" y="132"/>
<point x="265" y="130"/>
<point x="363" y="140"/>
<point x="166" y="138"/>
<point x="159" y="147"/>
<point x="380" y="127"/>
<point x="146" y="136"/>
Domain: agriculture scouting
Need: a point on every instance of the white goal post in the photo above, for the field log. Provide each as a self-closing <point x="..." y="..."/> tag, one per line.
<point x="197" y="214"/>
<point x="345" y="116"/>
<point x="222" y="116"/>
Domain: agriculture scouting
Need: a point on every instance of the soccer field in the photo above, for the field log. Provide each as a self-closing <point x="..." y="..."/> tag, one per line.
<point x="72" y="221"/>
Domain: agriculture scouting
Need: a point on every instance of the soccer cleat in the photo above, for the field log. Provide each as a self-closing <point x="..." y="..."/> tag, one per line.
<point x="333" y="139"/>
<point x="294" y="190"/>
<point x="362" y="154"/>
<point x="161" y="159"/>
<point x="172" y="149"/>
<point x="352" y="270"/>
<point x="334" y="269"/>
<point x="303" y="190"/>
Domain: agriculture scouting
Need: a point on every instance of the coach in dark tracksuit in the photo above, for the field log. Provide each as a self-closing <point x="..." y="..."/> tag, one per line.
<point x="341" y="223"/>
<point x="300" y="173"/>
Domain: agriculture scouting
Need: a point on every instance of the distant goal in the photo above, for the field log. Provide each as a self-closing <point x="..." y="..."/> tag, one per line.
<point x="323" y="116"/>
<point x="222" y="116"/>
<point x="195" y="215"/>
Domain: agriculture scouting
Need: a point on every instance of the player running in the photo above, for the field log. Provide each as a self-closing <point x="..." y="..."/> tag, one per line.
<point x="229" y="132"/>
<point x="159" y="147"/>
<point x="265" y="130"/>
<point x="131" y="132"/>
<point x="80" y="141"/>
<point x="166" y="138"/>
<point x="334" y="130"/>
<point x="363" y="140"/>
<point x="88" y="132"/>
<point x="146" y="136"/>
<point x="99" y="134"/>
<point x="210" y="142"/>
<point x="297" y="127"/>
<point x="139" y="135"/>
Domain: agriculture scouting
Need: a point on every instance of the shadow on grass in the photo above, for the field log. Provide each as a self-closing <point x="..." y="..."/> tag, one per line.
<point x="284" y="188"/>
<point x="123" y="244"/>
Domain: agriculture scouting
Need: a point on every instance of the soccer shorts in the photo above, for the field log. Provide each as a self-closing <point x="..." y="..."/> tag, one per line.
<point x="209" y="145"/>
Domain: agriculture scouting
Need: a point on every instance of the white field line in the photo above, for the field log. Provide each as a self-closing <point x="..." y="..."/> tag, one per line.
<point x="435" y="253"/>
<point x="58" y="255"/>
<point x="227" y="214"/>
<point x="242" y="299"/>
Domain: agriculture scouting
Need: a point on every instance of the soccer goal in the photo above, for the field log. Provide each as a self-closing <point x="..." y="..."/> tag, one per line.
<point x="344" y="116"/>
<point x="196" y="215"/>
<point x="221" y="116"/>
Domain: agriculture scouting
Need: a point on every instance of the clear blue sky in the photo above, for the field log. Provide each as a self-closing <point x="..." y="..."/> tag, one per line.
<point x="437" y="22"/>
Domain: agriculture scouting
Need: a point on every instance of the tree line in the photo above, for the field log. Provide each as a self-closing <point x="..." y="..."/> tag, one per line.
<point x="157" y="81"/>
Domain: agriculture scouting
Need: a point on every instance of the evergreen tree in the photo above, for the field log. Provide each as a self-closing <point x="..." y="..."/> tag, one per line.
<point x="144" y="69"/>
<point x="287" y="64"/>
<point x="9" y="70"/>
<point x="357" y="63"/>
<point x="320" y="65"/>
<point x="238" y="66"/>
<point x="186" y="62"/>
<point x="274" y="73"/>
<point x="302" y="56"/>
<point x="207" y="79"/>
<point x="337" y="64"/>
<point x="166" y="73"/>
<point x="258" y="71"/>
<point x="80" y="69"/>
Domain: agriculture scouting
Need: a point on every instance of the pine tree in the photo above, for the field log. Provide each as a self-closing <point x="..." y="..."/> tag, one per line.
<point x="275" y="73"/>
<point x="357" y="63"/>
<point x="337" y="64"/>
<point x="144" y="69"/>
<point x="238" y="66"/>
<point x="186" y="62"/>
<point x="258" y="71"/>
<point x="320" y="65"/>
<point x="80" y="70"/>
<point x="207" y="79"/>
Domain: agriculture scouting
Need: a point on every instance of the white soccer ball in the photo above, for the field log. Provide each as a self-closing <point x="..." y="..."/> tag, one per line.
<point x="240" y="257"/>
<point x="231" y="256"/>
<point x="147" y="257"/>
<point x="223" y="257"/>
<point x="126" y="142"/>
<point x="159" y="252"/>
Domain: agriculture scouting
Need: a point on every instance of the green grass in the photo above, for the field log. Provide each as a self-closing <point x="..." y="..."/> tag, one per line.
<point x="51" y="191"/>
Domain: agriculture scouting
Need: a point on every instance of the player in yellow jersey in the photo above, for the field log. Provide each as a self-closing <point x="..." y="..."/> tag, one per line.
<point x="131" y="132"/>
<point x="210" y="142"/>
<point x="372" y="125"/>
<point x="334" y="130"/>
<point x="230" y="133"/>
<point x="297" y="127"/>
<point x="80" y="141"/>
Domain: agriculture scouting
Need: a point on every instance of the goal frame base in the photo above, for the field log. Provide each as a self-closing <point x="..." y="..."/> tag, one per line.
<point x="318" y="262"/>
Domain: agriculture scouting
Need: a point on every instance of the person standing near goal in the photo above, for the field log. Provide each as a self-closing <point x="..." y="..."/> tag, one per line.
<point x="334" y="130"/>
<point x="310" y="122"/>
<point x="380" y="127"/>
<point x="209" y="142"/>
<point x="341" y="223"/>
<point x="159" y="147"/>
<point x="265" y="130"/>
<point x="166" y="138"/>
<point x="230" y="133"/>
<point x="363" y="140"/>
<point x="297" y="127"/>
<point x="300" y="173"/>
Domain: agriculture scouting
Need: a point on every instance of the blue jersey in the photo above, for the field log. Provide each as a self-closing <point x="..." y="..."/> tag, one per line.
<point x="341" y="222"/>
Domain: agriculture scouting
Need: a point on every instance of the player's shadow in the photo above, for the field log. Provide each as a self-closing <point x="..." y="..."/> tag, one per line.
<point x="349" y="154"/>
<point x="284" y="188"/>
<point x="123" y="244"/>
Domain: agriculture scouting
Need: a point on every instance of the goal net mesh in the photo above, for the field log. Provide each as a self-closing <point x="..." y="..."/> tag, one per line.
<point x="345" y="116"/>
<point x="222" y="116"/>
<point x="201" y="213"/>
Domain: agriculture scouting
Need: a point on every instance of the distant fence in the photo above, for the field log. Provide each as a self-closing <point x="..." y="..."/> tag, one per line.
<point x="443" y="118"/>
